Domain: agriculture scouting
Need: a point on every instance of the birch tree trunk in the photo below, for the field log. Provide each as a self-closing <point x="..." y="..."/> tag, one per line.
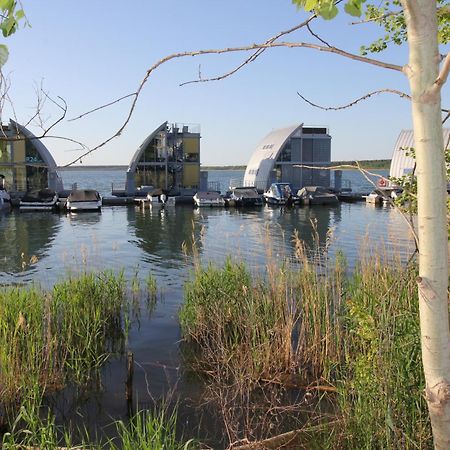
<point x="423" y="73"/>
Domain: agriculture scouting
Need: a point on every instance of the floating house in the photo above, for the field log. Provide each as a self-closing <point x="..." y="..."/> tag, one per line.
<point x="25" y="161"/>
<point x="402" y="162"/>
<point x="278" y="155"/>
<point x="169" y="159"/>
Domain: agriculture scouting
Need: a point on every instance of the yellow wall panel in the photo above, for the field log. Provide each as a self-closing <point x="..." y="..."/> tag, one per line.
<point x="19" y="151"/>
<point x="191" y="175"/>
<point x="191" y="145"/>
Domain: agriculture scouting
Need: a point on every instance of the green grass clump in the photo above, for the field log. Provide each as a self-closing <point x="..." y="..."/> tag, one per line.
<point x="381" y="387"/>
<point x="146" y="430"/>
<point x="357" y="334"/>
<point x="50" y="338"/>
<point x="150" y="430"/>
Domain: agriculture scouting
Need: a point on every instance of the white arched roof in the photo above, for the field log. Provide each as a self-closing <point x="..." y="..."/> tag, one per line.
<point x="263" y="158"/>
<point x="401" y="163"/>
<point x="37" y="143"/>
<point x="143" y="146"/>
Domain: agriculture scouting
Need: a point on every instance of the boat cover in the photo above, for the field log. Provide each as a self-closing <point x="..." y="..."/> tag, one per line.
<point x="84" y="195"/>
<point x="39" y="196"/>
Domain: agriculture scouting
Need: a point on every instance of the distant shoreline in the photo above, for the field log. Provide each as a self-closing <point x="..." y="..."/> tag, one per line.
<point x="365" y="164"/>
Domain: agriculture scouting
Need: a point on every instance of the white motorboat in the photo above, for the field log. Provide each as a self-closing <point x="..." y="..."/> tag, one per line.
<point x="317" y="195"/>
<point x="84" y="200"/>
<point x="39" y="200"/>
<point x="281" y="194"/>
<point x="245" y="196"/>
<point x="208" y="198"/>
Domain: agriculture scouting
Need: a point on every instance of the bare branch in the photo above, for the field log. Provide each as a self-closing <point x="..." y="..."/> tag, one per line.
<point x="168" y="58"/>
<point x="366" y="174"/>
<point x="317" y="36"/>
<point x="443" y="74"/>
<point x="103" y="106"/>
<point x="364" y="97"/>
<point x="354" y="102"/>
<point x="374" y="19"/>
<point x="251" y="58"/>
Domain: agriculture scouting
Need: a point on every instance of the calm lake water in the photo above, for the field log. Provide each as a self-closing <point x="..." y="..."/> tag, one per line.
<point x="43" y="247"/>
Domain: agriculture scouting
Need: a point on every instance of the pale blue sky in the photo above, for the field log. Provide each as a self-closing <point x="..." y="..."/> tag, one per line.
<point x="91" y="52"/>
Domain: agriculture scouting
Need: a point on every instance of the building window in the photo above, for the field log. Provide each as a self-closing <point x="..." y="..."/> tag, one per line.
<point x="5" y="152"/>
<point x="31" y="153"/>
<point x="191" y="157"/>
<point x="286" y="154"/>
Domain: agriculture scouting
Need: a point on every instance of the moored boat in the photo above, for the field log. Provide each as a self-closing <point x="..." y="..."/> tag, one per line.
<point x="375" y="197"/>
<point x="317" y="195"/>
<point x="84" y="200"/>
<point x="281" y="194"/>
<point x="208" y="198"/>
<point x="39" y="200"/>
<point x="245" y="196"/>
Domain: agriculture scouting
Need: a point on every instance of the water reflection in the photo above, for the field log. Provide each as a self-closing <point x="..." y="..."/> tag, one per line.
<point x="85" y="218"/>
<point x="25" y="239"/>
<point x="163" y="232"/>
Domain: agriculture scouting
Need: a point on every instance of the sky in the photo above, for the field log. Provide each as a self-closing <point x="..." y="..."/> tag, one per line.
<point x="92" y="52"/>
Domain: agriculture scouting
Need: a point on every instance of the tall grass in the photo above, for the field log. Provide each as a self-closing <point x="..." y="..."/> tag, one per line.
<point x="146" y="430"/>
<point x="48" y="339"/>
<point x="312" y="325"/>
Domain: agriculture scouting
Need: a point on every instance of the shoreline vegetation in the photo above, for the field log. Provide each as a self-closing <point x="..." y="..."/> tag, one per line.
<point x="303" y="351"/>
<point x="377" y="164"/>
<point x="309" y="354"/>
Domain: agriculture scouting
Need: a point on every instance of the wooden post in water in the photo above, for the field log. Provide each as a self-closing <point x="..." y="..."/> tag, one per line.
<point x="129" y="383"/>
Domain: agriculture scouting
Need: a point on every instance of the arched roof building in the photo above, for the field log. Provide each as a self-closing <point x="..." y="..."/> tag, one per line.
<point x="402" y="163"/>
<point x="25" y="161"/>
<point x="277" y="155"/>
<point x="168" y="159"/>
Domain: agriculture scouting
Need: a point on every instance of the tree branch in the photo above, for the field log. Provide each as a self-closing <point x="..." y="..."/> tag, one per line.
<point x="103" y="106"/>
<point x="354" y="102"/>
<point x="168" y="58"/>
<point x="374" y="19"/>
<point x="366" y="175"/>
<point x="443" y="74"/>
<point x="317" y="36"/>
<point x="251" y="58"/>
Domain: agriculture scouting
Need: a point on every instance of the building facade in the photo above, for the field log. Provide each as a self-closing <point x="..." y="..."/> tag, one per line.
<point x="402" y="163"/>
<point x="169" y="159"/>
<point x="25" y="161"/>
<point x="279" y="157"/>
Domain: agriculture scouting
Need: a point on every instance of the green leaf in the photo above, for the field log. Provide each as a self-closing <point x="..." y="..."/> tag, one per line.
<point x="310" y="5"/>
<point x="328" y="11"/>
<point x="4" y="53"/>
<point x="353" y="8"/>
<point x="6" y="5"/>
<point x="20" y="14"/>
<point x="8" y="26"/>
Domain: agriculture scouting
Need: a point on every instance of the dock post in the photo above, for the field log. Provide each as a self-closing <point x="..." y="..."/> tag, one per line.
<point x="129" y="383"/>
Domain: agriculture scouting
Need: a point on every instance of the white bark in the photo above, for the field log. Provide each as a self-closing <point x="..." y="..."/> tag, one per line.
<point x="423" y="71"/>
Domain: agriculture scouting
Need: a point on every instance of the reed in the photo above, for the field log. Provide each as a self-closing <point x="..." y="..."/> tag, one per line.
<point x="311" y="324"/>
<point x="146" y="430"/>
<point x="64" y="335"/>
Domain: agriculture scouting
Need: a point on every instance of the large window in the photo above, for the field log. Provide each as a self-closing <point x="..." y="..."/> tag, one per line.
<point x="286" y="153"/>
<point x="5" y="152"/>
<point x="31" y="154"/>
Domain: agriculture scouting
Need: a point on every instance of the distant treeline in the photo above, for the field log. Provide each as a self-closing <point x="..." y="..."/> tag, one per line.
<point x="365" y="164"/>
<point x="222" y="168"/>
<point x="83" y="167"/>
